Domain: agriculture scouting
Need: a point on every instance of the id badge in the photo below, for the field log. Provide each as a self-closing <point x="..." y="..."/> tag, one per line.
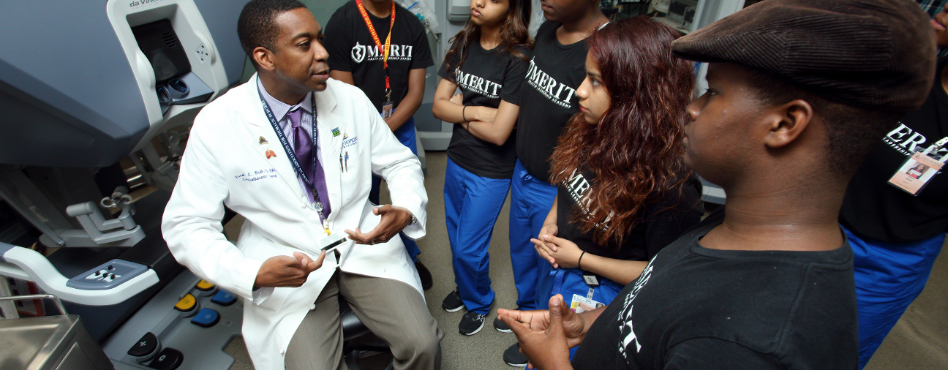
<point x="590" y="279"/>
<point x="582" y="304"/>
<point x="915" y="173"/>
<point x="332" y="241"/>
<point x="387" y="109"/>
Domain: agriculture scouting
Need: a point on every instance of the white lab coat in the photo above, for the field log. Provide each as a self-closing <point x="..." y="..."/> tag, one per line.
<point x="226" y="163"/>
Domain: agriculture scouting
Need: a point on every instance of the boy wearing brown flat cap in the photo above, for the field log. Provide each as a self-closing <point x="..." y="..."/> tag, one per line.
<point x="799" y="92"/>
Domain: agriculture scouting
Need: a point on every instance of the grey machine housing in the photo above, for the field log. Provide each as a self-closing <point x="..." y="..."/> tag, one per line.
<point x="72" y="75"/>
<point x="84" y="85"/>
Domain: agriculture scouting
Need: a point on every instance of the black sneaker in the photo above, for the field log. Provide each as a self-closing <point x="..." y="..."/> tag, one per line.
<point x="424" y="275"/>
<point x="471" y="323"/>
<point x="452" y="303"/>
<point x="513" y="357"/>
<point x="501" y="326"/>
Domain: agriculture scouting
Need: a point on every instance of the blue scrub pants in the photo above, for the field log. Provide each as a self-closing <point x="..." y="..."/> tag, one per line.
<point x="471" y="206"/>
<point x="405" y="135"/>
<point x="889" y="276"/>
<point x="530" y="202"/>
<point x="570" y="281"/>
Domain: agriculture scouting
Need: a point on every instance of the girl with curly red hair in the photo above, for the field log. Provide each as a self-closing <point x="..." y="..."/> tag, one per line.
<point x="623" y="192"/>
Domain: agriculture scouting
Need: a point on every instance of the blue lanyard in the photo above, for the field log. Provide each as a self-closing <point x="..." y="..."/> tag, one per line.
<point x="289" y="150"/>
<point x="558" y="276"/>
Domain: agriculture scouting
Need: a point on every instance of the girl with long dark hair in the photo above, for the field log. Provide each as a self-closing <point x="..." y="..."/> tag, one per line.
<point x="487" y="62"/>
<point x="623" y="192"/>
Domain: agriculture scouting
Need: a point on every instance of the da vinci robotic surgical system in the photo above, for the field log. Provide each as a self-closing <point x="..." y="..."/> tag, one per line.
<point x="96" y="98"/>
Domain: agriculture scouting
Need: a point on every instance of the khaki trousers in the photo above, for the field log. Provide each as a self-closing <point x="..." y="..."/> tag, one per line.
<point x="394" y="311"/>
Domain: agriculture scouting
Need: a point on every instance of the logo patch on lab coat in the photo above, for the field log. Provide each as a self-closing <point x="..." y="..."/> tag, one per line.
<point x="349" y="141"/>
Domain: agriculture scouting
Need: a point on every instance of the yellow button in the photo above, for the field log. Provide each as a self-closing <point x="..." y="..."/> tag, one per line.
<point x="186" y="304"/>
<point x="204" y="285"/>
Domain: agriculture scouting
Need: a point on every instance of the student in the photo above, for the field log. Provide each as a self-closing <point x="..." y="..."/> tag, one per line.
<point x="487" y="61"/>
<point x="766" y="283"/>
<point x="547" y="101"/>
<point x="896" y="236"/>
<point x="293" y="195"/>
<point x="623" y="193"/>
<point x="357" y="37"/>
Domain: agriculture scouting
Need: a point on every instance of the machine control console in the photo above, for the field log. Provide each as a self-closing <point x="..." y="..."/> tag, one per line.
<point x="206" y="288"/>
<point x="145" y="348"/>
<point x="168" y="359"/>
<point x="224" y="298"/>
<point x="107" y="275"/>
<point x="187" y="305"/>
<point x="206" y="318"/>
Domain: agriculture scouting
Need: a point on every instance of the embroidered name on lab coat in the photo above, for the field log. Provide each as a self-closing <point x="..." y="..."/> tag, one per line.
<point x="257" y="175"/>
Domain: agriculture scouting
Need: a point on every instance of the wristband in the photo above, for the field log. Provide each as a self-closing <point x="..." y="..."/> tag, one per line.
<point x="463" y="117"/>
<point x="579" y="263"/>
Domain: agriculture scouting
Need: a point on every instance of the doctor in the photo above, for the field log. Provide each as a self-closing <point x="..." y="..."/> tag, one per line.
<point x="235" y="158"/>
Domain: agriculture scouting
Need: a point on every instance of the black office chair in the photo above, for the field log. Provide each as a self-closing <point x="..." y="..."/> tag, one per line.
<point x="354" y="338"/>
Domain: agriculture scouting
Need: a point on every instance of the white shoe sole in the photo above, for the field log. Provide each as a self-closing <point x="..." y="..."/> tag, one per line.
<point x="454" y="309"/>
<point x="508" y="330"/>
<point x="473" y="332"/>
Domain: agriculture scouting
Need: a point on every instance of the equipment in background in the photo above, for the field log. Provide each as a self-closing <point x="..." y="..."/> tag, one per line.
<point x="683" y="11"/>
<point x="49" y="342"/>
<point x="185" y="324"/>
<point x="97" y="98"/>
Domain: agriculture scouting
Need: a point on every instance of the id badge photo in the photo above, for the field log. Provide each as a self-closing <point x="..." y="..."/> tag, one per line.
<point x="915" y="173"/>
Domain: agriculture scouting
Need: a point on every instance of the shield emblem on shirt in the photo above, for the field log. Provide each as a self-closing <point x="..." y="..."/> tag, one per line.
<point x="358" y="53"/>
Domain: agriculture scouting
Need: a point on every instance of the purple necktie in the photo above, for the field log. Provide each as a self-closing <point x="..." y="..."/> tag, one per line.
<point x="303" y="145"/>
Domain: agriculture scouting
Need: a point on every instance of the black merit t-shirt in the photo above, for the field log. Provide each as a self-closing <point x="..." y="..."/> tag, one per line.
<point x="485" y="78"/>
<point x="700" y="308"/>
<point x="664" y="218"/>
<point x="548" y="98"/>
<point x="875" y="209"/>
<point x="351" y="48"/>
